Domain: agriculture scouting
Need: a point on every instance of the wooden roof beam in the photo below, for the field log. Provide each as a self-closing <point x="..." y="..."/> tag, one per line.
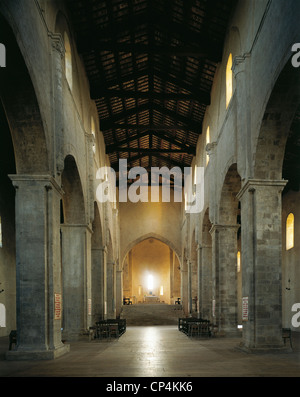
<point x="202" y="96"/>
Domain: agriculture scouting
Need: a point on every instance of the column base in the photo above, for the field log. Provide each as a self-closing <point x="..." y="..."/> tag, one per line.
<point x="229" y="332"/>
<point x="22" y="355"/>
<point x="264" y="349"/>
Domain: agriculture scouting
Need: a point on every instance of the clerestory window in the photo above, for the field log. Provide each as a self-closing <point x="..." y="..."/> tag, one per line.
<point x="207" y="140"/>
<point x="290" y="227"/>
<point x="228" y="80"/>
<point x="68" y="61"/>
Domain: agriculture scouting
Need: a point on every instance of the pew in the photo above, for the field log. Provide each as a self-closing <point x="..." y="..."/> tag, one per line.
<point x="194" y="326"/>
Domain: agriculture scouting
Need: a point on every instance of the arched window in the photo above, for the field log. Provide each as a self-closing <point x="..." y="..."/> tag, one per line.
<point x="195" y="174"/>
<point x="0" y="233"/>
<point x="68" y="60"/>
<point x="207" y="141"/>
<point x="93" y="130"/>
<point x="238" y="257"/>
<point x="290" y="227"/>
<point x="228" y="80"/>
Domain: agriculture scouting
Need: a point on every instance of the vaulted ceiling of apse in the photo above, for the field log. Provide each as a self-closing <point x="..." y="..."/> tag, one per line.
<point x="150" y="65"/>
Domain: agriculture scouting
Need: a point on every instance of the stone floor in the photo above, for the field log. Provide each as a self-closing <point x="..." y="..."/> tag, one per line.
<point x="157" y="351"/>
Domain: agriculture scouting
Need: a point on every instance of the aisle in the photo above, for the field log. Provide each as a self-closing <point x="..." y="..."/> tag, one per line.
<point x="156" y="351"/>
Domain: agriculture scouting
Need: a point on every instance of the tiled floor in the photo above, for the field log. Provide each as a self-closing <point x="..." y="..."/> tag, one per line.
<point x="157" y="351"/>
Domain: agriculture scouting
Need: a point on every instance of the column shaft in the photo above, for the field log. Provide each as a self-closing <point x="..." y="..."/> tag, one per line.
<point x="261" y="264"/>
<point x="38" y="268"/>
<point x="76" y="271"/>
<point x="224" y="240"/>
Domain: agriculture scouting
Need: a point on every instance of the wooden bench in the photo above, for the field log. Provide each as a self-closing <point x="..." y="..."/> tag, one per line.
<point x="127" y="301"/>
<point x="110" y="328"/>
<point x="287" y="334"/>
<point x="194" y="326"/>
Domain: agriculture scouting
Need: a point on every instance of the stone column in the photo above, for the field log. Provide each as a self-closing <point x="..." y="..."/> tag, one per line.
<point x="38" y="268"/>
<point x="111" y="289"/>
<point x="184" y="291"/>
<point x="224" y="242"/>
<point x="119" y="292"/>
<point x="76" y="269"/>
<point x="171" y="276"/>
<point x="261" y="264"/>
<point x="98" y="284"/>
<point x="199" y="285"/>
<point x="189" y="286"/>
<point x="205" y="281"/>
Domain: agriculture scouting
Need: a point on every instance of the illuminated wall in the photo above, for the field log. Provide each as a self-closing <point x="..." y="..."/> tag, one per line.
<point x="151" y="269"/>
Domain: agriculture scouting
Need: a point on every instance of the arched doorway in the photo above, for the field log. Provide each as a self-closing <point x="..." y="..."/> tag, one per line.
<point x="151" y="273"/>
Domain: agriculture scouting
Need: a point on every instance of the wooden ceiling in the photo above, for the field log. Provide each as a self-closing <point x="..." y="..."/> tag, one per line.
<point x="150" y="65"/>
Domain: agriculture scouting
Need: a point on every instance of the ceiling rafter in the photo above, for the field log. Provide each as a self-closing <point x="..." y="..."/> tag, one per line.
<point x="150" y="66"/>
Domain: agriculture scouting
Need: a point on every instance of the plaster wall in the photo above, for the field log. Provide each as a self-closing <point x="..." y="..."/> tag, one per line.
<point x="146" y="219"/>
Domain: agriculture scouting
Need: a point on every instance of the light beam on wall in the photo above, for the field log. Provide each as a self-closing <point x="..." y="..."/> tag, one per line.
<point x="150" y="282"/>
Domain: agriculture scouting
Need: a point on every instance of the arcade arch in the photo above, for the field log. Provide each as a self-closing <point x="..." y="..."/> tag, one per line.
<point x="151" y="258"/>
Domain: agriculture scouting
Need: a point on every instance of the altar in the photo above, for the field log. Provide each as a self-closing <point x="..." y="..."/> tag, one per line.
<point x="151" y="299"/>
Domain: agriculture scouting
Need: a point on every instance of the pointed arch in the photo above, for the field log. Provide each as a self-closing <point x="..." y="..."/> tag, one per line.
<point x="151" y="235"/>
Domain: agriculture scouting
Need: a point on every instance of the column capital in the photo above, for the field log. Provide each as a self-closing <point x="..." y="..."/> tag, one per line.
<point x="47" y="180"/>
<point x="104" y="248"/>
<point x="239" y="63"/>
<point x="210" y="148"/>
<point x="57" y="43"/>
<point x="216" y="227"/>
<point x="254" y="184"/>
<point x="77" y="226"/>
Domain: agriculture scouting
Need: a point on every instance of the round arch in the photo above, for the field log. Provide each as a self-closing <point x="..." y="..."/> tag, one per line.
<point x="73" y="198"/>
<point x="228" y="202"/>
<point x="19" y="100"/>
<point x="276" y="122"/>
